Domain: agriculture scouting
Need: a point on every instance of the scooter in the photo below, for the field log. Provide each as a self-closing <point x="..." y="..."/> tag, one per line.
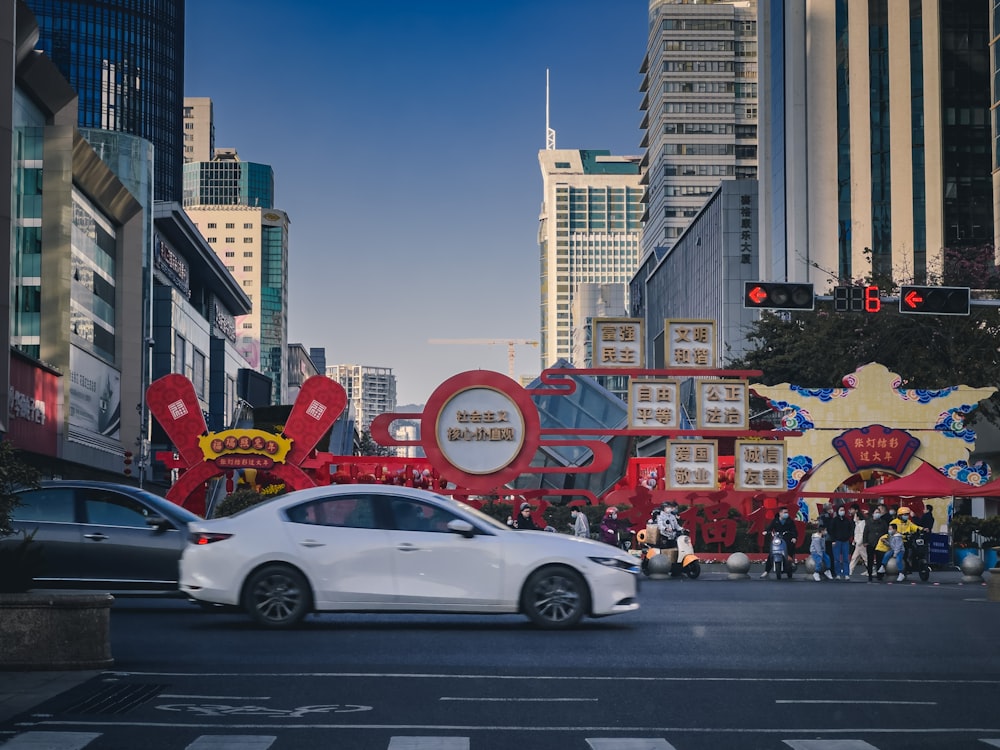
<point x="915" y="554"/>
<point x="780" y="560"/>
<point x="682" y="558"/>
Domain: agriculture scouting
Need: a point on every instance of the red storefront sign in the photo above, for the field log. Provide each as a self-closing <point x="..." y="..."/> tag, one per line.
<point x="33" y="403"/>
<point x="876" y="447"/>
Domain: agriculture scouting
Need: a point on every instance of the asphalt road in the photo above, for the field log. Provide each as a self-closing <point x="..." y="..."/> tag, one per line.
<point x="703" y="664"/>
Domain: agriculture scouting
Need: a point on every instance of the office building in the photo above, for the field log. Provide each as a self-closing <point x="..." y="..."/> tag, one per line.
<point x="699" y="99"/>
<point x="589" y="233"/>
<point x="877" y="137"/>
<point x="125" y="60"/>
<point x="370" y="390"/>
<point x="232" y="203"/>
<point x="199" y="129"/>
<point x="701" y="276"/>
<point x="75" y="372"/>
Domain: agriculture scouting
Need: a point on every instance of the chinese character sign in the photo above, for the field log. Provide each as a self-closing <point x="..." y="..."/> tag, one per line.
<point x="653" y="403"/>
<point x="480" y="430"/>
<point x="691" y="464"/>
<point x="617" y="342"/>
<point x="689" y="343"/>
<point x="723" y="404"/>
<point x="759" y="465"/>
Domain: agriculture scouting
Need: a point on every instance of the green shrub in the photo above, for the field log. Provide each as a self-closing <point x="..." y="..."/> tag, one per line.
<point x="239" y="500"/>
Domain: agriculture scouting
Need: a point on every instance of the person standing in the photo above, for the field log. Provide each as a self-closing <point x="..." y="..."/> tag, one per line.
<point x="927" y="519"/>
<point x="842" y="531"/>
<point x="824" y="522"/>
<point x="524" y="521"/>
<point x="817" y="551"/>
<point x="581" y="526"/>
<point x="875" y="528"/>
<point x="860" y="554"/>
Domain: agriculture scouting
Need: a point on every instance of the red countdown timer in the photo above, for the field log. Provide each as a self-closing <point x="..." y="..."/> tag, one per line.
<point x="856" y="299"/>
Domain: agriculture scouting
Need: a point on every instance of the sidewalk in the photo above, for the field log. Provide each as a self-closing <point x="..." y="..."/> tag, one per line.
<point x="22" y="691"/>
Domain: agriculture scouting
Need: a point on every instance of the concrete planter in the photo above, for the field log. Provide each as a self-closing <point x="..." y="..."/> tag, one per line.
<point x="55" y="631"/>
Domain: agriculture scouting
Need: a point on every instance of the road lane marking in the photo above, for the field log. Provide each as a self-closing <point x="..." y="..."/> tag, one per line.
<point x="866" y="703"/>
<point x="232" y="742"/>
<point x="524" y="700"/>
<point x="993" y="743"/>
<point x="575" y="678"/>
<point x="626" y="743"/>
<point x="217" y="697"/>
<point x="958" y="730"/>
<point x="50" y="741"/>
<point x="829" y="745"/>
<point x="429" y="743"/>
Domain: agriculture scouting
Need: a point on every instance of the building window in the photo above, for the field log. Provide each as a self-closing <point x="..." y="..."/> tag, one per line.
<point x="212" y="239"/>
<point x="247" y="282"/>
<point x="248" y="225"/>
<point x="212" y="225"/>
<point x="248" y="253"/>
<point x="247" y="269"/>
<point x="230" y="240"/>
<point x="230" y="225"/>
<point x="247" y="240"/>
<point x="230" y="254"/>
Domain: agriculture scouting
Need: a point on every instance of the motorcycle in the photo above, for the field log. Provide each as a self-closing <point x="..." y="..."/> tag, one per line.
<point x="682" y="559"/>
<point x="915" y="554"/>
<point x="781" y="561"/>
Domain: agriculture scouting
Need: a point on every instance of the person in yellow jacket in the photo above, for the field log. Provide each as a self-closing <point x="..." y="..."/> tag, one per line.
<point x="903" y="522"/>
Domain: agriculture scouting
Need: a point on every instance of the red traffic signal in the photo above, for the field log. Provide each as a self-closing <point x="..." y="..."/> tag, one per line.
<point x="934" y="300"/>
<point x="127" y="460"/>
<point x="778" y="295"/>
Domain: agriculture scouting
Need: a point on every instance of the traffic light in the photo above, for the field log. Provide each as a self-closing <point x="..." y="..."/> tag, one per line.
<point x="857" y="299"/>
<point x="934" y="300"/>
<point x="128" y="463"/>
<point x="778" y="295"/>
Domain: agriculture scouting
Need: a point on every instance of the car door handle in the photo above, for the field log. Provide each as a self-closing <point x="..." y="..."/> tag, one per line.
<point x="97" y="537"/>
<point x="311" y="543"/>
<point x="407" y="547"/>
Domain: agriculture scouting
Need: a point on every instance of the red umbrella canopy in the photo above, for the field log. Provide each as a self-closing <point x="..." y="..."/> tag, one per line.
<point x="990" y="489"/>
<point x="926" y="481"/>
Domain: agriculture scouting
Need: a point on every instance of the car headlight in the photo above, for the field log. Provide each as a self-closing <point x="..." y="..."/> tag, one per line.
<point x="615" y="562"/>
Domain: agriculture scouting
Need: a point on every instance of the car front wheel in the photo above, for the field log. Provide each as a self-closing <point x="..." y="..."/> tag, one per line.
<point x="555" y="598"/>
<point x="277" y="596"/>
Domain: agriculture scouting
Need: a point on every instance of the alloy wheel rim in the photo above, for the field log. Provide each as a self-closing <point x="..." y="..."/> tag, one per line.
<point x="277" y="597"/>
<point x="556" y="599"/>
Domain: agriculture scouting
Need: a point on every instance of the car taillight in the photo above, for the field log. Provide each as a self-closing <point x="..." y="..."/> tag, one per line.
<point x="206" y="537"/>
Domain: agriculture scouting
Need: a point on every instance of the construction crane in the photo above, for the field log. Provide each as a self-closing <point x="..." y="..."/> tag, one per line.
<point x="511" y="343"/>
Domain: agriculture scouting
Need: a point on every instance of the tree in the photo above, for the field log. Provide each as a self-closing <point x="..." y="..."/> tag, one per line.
<point x="368" y="447"/>
<point x="816" y="348"/>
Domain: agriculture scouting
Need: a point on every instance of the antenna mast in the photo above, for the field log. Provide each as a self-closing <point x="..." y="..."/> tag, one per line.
<point x="550" y="134"/>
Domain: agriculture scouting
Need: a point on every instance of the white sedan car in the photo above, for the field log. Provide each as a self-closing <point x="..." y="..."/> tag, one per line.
<point x="377" y="548"/>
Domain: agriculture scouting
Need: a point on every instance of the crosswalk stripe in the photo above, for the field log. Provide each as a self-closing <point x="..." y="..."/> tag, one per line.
<point x="50" y="741"/>
<point x="232" y="742"/>
<point x="829" y="745"/>
<point x="429" y="743"/>
<point x="629" y="743"/>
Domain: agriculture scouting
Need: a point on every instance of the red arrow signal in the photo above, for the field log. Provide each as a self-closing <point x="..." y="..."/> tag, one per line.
<point x="913" y="299"/>
<point x="757" y="295"/>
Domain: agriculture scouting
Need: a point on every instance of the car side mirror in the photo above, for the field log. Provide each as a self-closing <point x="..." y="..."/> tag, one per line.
<point x="458" y="526"/>
<point x="158" y="523"/>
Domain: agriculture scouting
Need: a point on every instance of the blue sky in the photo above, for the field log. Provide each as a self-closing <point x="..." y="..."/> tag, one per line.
<point x="404" y="139"/>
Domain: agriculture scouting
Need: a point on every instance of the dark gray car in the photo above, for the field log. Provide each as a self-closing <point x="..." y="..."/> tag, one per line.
<point x="101" y="535"/>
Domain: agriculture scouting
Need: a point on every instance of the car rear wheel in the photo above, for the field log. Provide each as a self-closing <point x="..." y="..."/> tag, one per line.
<point x="277" y="596"/>
<point x="555" y="598"/>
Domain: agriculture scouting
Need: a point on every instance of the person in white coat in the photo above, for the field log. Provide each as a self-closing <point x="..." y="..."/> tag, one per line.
<point x="860" y="555"/>
<point x="581" y="526"/>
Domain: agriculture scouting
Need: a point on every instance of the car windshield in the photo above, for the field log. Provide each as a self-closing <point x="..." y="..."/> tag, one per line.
<point x="489" y="520"/>
<point x="182" y="514"/>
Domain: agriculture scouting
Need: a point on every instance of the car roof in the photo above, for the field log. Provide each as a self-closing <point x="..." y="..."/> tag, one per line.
<point x="167" y="506"/>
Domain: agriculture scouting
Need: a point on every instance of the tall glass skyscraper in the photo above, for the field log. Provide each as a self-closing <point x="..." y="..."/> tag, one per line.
<point x="125" y="59"/>
<point x="878" y="131"/>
